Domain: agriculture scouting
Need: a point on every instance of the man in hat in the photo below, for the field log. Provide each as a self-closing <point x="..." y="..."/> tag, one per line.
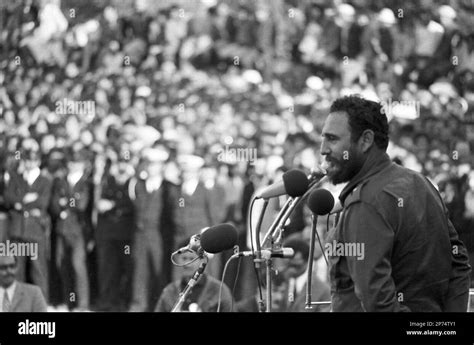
<point x="114" y="234"/>
<point x="170" y="223"/>
<point x="147" y="193"/>
<point x="201" y="203"/>
<point x="382" y="34"/>
<point x="56" y="166"/>
<point x="350" y="48"/>
<point x="27" y="194"/>
<point x="70" y="199"/>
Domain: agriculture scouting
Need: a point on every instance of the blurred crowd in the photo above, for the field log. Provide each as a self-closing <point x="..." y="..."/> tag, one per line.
<point x="127" y="126"/>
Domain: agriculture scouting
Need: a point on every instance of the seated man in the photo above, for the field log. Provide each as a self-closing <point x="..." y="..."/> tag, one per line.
<point x="289" y="285"/>
<point x="14" y="295"/>
<point x="292" y="278"/>
<point x="204" y="295"/>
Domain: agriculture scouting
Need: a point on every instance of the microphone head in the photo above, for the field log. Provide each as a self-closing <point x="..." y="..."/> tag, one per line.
<point x="219" y="238"/>
<point x="296" y="182"/>
<point x="316" y="174"/>
<point x="321" y="202"/>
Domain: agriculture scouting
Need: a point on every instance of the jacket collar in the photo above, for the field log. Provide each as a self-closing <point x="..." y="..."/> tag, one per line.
<point x="375" y="162"/>
<point x="17" y="295"/>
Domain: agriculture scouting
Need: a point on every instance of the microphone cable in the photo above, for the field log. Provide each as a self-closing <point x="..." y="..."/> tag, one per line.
<point x="221" y="285"/>
<point x="235" y="283"/>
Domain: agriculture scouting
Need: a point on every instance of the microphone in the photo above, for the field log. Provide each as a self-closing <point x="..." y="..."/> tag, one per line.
<point x="294" y="183"/>
<point x="219" y="238"/>
<point x="316" y="175"/>
<point x="212" y="240"/>
<point x="286" y="253"/>
<point x="338" y="208"/>
<point x="321" y="202"/>
<point x="194" y="245"/>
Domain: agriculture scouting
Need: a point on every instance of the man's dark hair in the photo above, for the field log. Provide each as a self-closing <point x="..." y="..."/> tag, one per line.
<point x="364" y="114"/>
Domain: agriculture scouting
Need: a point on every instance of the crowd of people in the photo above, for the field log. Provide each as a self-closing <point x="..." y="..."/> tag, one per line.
<point x="128" y="126"/>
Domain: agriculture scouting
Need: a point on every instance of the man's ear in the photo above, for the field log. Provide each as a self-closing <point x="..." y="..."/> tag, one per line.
<point x="366" y="140"/>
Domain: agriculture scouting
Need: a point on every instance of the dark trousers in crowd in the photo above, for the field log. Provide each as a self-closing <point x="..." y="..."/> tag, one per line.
<point x="56" y="294"/>
<point x="147" y="281"/>
<point x="3" y="227"/>
<point x="71" y="256"/>
<point x="114" y="278"/>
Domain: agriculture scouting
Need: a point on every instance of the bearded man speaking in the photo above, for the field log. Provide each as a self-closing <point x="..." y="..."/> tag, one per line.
<point x="414" y="260"/>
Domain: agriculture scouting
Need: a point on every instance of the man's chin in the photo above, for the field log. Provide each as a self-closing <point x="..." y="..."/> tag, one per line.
<point x="335" y="176"/>
<point x="7" y="283"/>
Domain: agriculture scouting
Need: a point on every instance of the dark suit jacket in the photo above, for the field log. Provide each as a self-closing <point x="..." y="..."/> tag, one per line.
<point x="28" y="298"/>
<point x="72" y="218"/>
<point x="205" y="207"/>
<point x="148" y="208"/>
<point x="413" y="260"/>
<point x="118" y="222"/>
<point x="350" y="46"/>
<point x="25" y="224"/>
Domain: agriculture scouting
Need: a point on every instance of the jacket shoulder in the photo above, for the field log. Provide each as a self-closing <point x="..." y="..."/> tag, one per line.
<point x="28" y="288"/>
<point x="395" y="182"/>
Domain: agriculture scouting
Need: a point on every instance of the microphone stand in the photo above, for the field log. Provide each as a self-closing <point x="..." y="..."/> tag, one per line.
<point x="277" y="220"/>
<point x="277" y="224"/>
<point x="314" y="220"/>
<point x="309" y="303"/>
<point x="258" y="255"/>
<point x="190" y="285"/>
<point x="288" y="208"/>
<point x="268" y="263"/>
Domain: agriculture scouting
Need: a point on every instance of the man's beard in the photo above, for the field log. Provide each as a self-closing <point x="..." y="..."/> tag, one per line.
<point x="343" y="170"/>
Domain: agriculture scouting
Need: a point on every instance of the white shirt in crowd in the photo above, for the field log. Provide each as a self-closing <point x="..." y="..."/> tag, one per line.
<point x="10" y="292"/>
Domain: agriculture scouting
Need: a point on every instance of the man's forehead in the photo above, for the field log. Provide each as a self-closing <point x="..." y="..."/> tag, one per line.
<point x="336" y="123"/>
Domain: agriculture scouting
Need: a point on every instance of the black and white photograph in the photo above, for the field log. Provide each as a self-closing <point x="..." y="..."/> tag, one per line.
<point x="311" y="160"/>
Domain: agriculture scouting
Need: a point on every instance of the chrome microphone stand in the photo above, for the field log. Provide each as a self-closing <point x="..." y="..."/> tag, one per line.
<point x="288" y="209"/>
<point x="309" y="304"/>
<point x="276" y="228"/>
<point x="187" y="290"/>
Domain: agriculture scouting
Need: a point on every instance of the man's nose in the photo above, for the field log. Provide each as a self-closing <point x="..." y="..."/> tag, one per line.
<point x="325" y="148"/>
